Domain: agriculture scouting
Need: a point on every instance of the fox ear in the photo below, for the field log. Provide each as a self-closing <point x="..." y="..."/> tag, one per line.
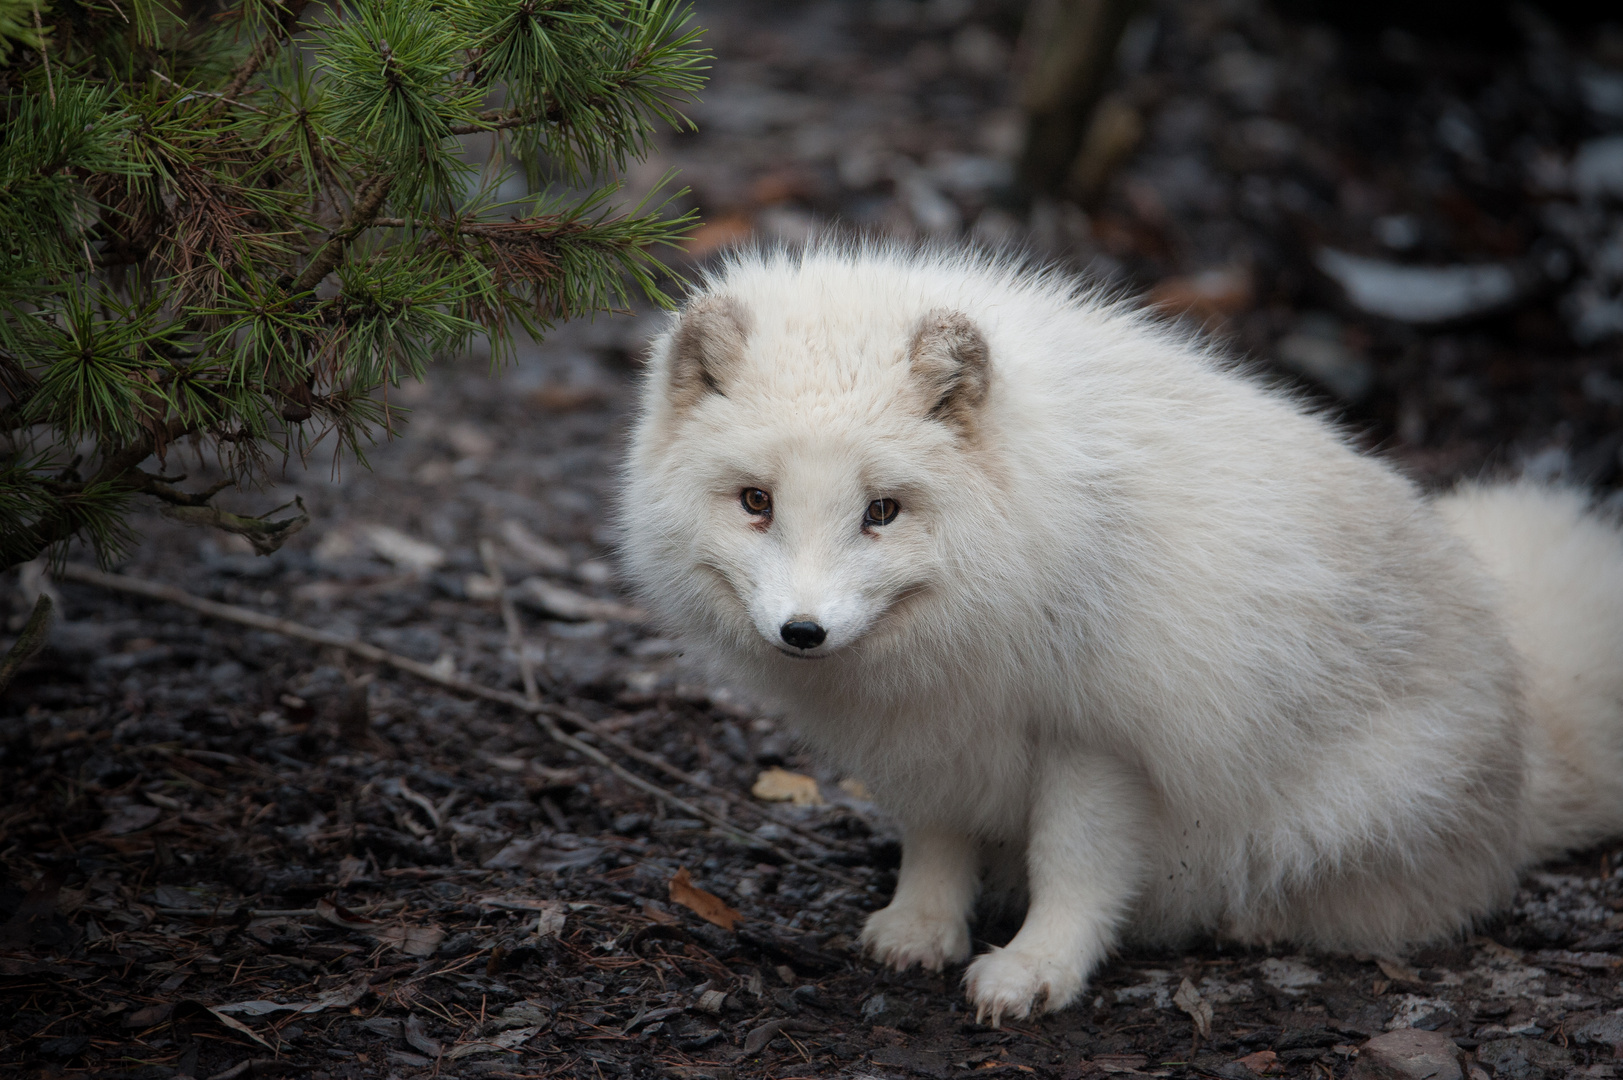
<point x="949" y="361"/>
<point x="707" y="347"/>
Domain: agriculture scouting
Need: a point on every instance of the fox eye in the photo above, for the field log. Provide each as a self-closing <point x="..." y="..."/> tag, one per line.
<point x="755" y="501"/>
<point x="881" y="512"/>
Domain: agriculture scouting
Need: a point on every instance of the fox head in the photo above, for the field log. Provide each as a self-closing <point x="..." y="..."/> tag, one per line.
<point x="791" y="480"/>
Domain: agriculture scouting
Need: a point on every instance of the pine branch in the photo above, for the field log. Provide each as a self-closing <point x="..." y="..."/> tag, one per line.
<point x="265" y="535"/>
<point x="157" y="487"/>
<point x="263" y="50"/>
<point x="368" y="201"/>
<point x="57" y="526"/>
<point x="238" y="181"/>
<point x="27" y="646"/>
<point x="502" y="121"/>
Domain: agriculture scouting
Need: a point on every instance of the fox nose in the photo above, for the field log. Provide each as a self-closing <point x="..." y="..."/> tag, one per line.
<point x="803" y="633"/>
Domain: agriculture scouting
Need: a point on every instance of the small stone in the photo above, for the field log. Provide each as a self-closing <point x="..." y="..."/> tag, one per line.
<point x="1409" y="1055"/>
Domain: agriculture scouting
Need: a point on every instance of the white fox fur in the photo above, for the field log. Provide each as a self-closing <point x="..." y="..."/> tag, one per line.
<point x="1151" y="627"/>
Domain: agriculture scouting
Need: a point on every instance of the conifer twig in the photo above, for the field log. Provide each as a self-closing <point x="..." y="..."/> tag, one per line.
<point x="32" y="640"/>
<point x="368" y="201"/>
<point x="44" y="54"/>
<point x="209" y="93"/>
<point x="262" y="51"/>
<point x="545" y="715"/>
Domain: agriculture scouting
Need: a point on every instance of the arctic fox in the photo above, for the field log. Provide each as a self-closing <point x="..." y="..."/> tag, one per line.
<point x="1057" y="582"/>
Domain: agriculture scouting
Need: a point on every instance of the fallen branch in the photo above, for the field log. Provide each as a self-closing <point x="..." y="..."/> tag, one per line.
<point x="546" y="715"/>
<point x="265" y="535"/>
<point x="27" y="646"/>
<point x="515" y="629"/>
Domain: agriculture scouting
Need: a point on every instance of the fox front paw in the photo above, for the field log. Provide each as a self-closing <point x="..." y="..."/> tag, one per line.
<point x="902" y="937"/>
<point x="1008" y="984"/>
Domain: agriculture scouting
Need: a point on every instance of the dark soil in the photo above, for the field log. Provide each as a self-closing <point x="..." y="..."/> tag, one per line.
<point x="227" y="854"/>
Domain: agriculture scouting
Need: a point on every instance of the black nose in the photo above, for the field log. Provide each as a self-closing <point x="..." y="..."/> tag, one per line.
<point x="803" y="633"/>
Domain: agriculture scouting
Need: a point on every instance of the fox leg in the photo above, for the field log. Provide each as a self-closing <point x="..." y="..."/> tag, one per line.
<point x="927" y="921"/>
<point x="1084" y="863"/>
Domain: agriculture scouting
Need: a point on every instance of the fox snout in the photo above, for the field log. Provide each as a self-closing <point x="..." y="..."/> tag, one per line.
<point x="803" y="632"/>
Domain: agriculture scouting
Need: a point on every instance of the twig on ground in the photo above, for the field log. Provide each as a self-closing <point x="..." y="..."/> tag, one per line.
<point x="515" y="629"/>
<point x="545" y="715"/>
<point x="31" y="641"/>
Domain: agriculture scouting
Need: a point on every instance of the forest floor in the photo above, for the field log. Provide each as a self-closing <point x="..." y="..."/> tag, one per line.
<point x="225" y="852"/>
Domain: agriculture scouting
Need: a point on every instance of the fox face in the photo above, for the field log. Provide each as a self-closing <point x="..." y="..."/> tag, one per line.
<point x="804" y="485"/>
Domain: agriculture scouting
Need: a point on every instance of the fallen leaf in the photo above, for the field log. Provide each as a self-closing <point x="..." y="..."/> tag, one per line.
<point x="550" y="921"/>
<point x="342" y="916"/>
<point x="239" y="1027"/>
<point x="664" y="918"/>
<point x="533" y="854"/>
<point x="719" y="232"/>
<point x="1261" y="1062"/>
<point x="405" y="552"/>
<point x="253" y="1008"/>
<point x="171" y="897"/>
<point x="403" y="1057"/>
<point x="350" y="868"/>
<point x="561" y="397"/>
<point x="1397" y="971"/>
<point x="856" y="789"/>
<point x="540" y="554"/>
<point x="707" y="906"/>
<point x="152" y="1014"/>
<point x="1199" y="1009"/>
<point x="131" y="818"/>
<point x="781" y="785"/>
<point x="758" y="1039"/>
<point x="506" y="1041"/>
<point x="341" y="998"/>
<point x="411" y="940"/>
<point x="557" y="602"/>
<point x="418" y="1039"/>
<point x="1211" y="294"/>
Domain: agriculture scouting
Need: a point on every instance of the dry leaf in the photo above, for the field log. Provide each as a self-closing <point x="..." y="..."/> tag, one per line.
<point x="1398" y="971"/>
<point x="127" y="819"/>
<point x="550" y="920"/>
<point x="418" y="1039"/>
<point x="664" y="918"/>
<point x="1262" y="1062"/>
<point x="239" y="1027"/>
<point x="342" y="916"/>
<point x="411" y="940"/>
<point x="557" y="602"/>
<point x="1199" y="1009"/>
<point x="341" y="998"/>
<point x="781" y="785"/>
<point x="856" y="789"/>
<point x="707" y="906"/>
<point x="507" y="1040"/>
